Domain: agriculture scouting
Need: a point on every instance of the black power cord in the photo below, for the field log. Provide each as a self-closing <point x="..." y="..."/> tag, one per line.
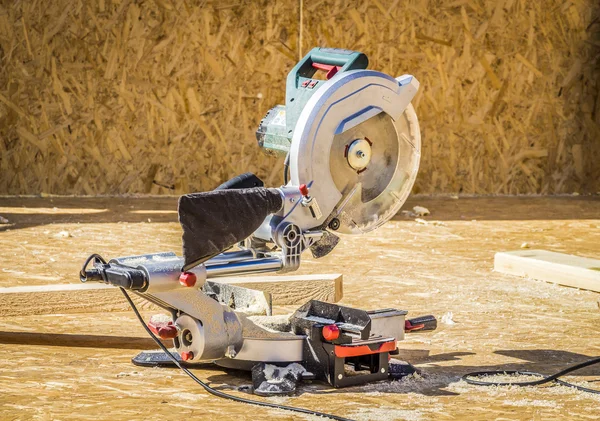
<point x="544" y="379"/>
<point x="82" y="275"/>
<point x="286" y="169"/>
<point x="218" y="393"/>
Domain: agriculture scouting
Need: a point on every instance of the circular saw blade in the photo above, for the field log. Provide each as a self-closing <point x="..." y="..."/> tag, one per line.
<point x="357" y="146"/>
<point x="380" y="137"/>
<point x="371" y="196"/>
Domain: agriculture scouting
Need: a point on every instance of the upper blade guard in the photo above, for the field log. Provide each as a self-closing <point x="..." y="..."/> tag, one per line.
<point x="216" y="220"/>
<point x="357" y="144"/>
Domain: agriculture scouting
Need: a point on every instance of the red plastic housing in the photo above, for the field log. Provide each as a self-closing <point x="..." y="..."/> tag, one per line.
<point x="355" y="351"/>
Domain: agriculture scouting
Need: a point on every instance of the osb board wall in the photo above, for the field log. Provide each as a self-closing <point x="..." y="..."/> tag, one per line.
<point x="163" y="96"/>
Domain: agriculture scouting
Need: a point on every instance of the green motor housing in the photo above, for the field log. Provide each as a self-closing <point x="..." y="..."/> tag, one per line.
<point x="276" y="129"/>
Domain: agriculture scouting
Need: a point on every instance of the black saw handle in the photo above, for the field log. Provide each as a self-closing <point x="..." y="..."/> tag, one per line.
<point x="421" y="324"/>
<point x="113" y="274"/>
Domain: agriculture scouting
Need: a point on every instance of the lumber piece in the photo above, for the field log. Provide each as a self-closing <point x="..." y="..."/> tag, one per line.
<point x="90" y="298"/>
<point x="65" y="299"/>
<point x="558" y="268"/>
<point x="78" y="340"/>
<point x="293" y="289"/>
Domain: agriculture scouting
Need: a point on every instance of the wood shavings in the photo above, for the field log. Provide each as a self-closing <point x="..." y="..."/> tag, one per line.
<point x="420" y="211"/>
<point x="162" y="98"/>
<point x="421" y="221"/>
<point x="416" y="211"/>
<point x="448" y="319"/>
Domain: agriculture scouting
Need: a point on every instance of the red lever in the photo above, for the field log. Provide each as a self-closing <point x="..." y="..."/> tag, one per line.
<point x="330" y="69"/>
<point x="303" y="190"/>
<point x="163" y="329"/>
<point x="408" y="326"/>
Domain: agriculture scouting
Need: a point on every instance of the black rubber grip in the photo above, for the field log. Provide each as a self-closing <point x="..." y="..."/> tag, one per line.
<point x="125" y="277"/>
<point x="93" y="275"/>
<point x="120" y="276"/>
<point x="429" y="322"/>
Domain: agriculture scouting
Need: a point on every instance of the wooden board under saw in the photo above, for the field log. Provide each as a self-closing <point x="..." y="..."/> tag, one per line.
<point x="97" y="297"/>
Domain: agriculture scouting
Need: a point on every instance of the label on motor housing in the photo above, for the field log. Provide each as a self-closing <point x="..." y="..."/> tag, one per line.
<point x="272" y="134"/>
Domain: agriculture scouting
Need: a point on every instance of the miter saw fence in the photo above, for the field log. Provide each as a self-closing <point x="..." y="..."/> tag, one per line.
<point x="352" y="145"/>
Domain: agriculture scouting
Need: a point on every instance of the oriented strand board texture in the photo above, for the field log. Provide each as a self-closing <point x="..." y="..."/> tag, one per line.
<point x="77" y="367"/>
<point x="163" y="96"/>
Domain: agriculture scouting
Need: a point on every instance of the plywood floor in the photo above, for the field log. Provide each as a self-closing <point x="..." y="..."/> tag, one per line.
<point x="74" y="367"/>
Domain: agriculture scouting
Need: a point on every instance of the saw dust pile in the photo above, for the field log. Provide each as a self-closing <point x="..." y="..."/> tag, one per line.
<point x="165" y="96"/>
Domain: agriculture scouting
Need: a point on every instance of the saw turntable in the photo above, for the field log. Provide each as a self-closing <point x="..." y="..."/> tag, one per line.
<point x="351" y="145"/>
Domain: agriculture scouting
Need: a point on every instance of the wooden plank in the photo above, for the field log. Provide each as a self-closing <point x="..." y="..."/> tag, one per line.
<point x="293" y="289"/>
<point x="88" y="298"/>
<point x="65" y="299"/>
<point x="559" y="268"/>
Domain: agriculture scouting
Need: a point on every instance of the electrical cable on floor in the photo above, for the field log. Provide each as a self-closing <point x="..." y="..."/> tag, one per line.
<point x="544" y="379"/>
<point x="215" y="392"/>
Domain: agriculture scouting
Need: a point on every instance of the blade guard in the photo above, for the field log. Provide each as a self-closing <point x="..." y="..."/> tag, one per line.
<point x="344" y="102"/>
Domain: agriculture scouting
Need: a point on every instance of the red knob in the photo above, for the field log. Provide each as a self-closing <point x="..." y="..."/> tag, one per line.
<point x="187" y="279"/>
<point x="303" y="190"/>
<point x="163" y="329"/>
<point x="331" y="332"/>
<point x="187" y="355"/>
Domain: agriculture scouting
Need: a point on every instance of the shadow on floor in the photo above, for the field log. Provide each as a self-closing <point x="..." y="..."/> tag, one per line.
<point x="21" y="211"/>
<point x="505" y="208"/>
<point x="437" y="378"/>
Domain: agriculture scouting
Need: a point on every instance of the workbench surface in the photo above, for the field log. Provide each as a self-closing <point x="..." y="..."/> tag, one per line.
<point x="77" y="366"/>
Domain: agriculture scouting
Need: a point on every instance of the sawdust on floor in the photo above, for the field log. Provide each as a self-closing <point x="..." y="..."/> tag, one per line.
<point x="75" y="366"/>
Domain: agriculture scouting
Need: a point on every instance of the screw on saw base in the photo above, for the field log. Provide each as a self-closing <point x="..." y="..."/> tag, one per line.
<point x="334" y="224"/>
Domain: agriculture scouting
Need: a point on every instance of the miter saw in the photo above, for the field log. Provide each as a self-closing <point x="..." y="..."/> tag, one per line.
<point x="351" y="144"/>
